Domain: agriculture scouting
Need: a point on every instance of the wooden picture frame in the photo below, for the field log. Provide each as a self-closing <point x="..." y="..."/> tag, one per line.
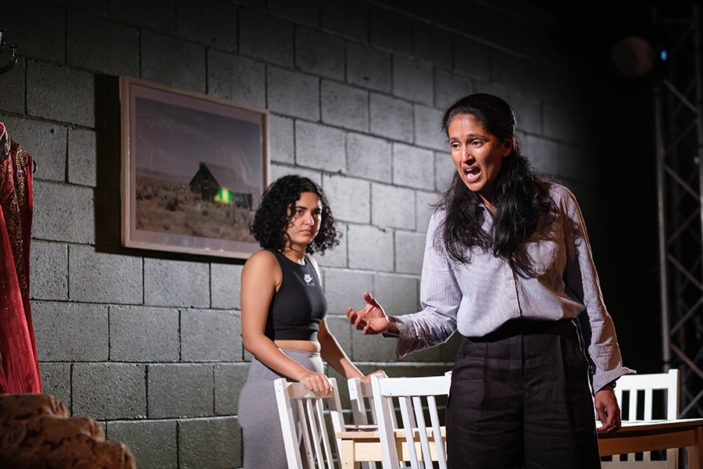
<point x="193" y="170"/>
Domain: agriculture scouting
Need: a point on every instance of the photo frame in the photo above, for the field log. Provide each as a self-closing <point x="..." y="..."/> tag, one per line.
<point x="193" y="170"/>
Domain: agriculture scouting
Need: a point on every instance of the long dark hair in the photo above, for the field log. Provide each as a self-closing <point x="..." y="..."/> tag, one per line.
<point x="521" y="198"/>
<point x="276" y="211"/>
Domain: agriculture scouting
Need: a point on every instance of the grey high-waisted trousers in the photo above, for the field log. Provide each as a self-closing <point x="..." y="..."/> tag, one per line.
<point x="258" y="413"/>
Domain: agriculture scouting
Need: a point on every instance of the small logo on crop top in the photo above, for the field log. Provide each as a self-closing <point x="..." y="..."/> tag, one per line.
<point x="308" y="279"/>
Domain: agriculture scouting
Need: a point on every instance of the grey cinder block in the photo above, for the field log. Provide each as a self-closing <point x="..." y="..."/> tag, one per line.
<point x="139" y="334"/>
<point x="319" y="53"/>
<point x="344" y="289"/>
<point x="41" y="38"/>
<point x="70" y="331"/>
<point x="391" y="31"/>
<point x="213" y="442"/>
<point x="208" y="335"/>
<point x="281" y="139"/>
<point x="444" y="170"/>
<point x="101" y="45"/>
<point x="542" y="154"/>
<point x="229" y="379"/>
<point x="265" y="37"/>
<point x="413" y="166"/>
<point x="424" y="208"/>
<point x="398" y="293"/>
<point x="370" y="248"/>
<point x="319" y="146"/>
<point x="159" y="15"/>
<point x="449" y="88"/>
<point x="210" y="23"/>
<point x="472" y="58"/>
<point x="45" y="142"/>
<point x="413" y="80"/>
<point x="298" y="11"/>
<point x="433" y="44"/>
<point x="49" y="279"/>
<point x="14" y="80"/>
<point x="348" y="19"/>
<point x="236" y="78"/>
<point x="56" y="380"/>
<point x="82" y="158"/>
<point x="428" y="128"/>
<point x="392" y="206"/>
<point x="226" y="285"/>
<point x="337" y="256"/>
<point x="391" y="117"/>
<point x="56" y="209"/>
<point x="60" y="93"/>
<point x="409" y="251"/>
<point x="293" y="94"/>
<point x="368" y="157"/>
<point x="345" y="106"/>
<point x="528" y="112"/>
<point x="368" y="67"/>
<point x="101" y="277"/>
<point x="109" y="390"/>
<point x="280" y="170"/>
<point x="373" y="348"/>
<point x="154" y="443"/>
<point x="173" y="62"/>
<point x="176" y="283"/>
<point x="349" y="198"/>
<point x="180" y="390"/>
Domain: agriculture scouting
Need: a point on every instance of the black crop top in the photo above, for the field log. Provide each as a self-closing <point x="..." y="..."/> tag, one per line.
<point x="299" y="305"/>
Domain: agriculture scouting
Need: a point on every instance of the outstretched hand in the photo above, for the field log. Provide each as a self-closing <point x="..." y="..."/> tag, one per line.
<point x="371" y="319"/>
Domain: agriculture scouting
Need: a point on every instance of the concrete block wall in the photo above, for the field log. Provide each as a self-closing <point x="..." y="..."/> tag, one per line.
<point x="149" y="343"/>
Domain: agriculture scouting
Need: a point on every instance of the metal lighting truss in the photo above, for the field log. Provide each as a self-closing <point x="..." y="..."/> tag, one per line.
<point x="678" y="112"/>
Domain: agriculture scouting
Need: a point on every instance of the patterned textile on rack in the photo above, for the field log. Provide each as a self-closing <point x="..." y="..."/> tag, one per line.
<point x="19" y="370"/>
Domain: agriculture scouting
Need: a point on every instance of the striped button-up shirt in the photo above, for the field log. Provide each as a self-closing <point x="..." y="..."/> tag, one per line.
<point x="479" y="296"/>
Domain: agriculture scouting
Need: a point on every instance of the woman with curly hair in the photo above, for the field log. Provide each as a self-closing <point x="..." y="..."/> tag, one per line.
<point x="283" y="312"/>
<point x="508" y="264"/>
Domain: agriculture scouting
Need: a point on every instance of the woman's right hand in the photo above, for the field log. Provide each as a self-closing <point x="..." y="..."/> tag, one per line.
<point x="371" y="319"/>
<point x="316" y="382"/>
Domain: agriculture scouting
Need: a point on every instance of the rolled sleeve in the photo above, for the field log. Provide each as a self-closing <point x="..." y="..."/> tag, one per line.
<point x="440" y="297"/>
<point x="596" y="323"/>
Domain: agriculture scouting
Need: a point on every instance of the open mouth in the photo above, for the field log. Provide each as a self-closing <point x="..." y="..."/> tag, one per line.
<point x="471" y="173"/>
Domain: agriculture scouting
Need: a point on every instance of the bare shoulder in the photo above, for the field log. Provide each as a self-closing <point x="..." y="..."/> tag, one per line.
<point x="261" y="263"/>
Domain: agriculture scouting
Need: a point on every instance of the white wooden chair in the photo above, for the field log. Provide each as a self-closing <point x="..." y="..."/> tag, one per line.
<point x="362" y="403"/>
<point x="315" y="427"/>
<point x="640" y="393"/>
<point x="412" y="396"/>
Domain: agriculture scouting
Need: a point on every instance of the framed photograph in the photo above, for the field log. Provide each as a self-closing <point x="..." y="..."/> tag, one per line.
<point x="193" y="170"/>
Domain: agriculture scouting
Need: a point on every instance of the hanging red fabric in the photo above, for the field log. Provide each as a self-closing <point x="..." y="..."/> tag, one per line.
<point x="19" y="372"/>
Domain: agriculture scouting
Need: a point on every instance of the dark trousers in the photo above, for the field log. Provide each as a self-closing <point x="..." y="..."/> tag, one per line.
<point x="520" y="398"/>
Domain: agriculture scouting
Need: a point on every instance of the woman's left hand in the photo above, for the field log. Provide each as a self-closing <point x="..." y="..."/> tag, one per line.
<point x="608" y="411"/>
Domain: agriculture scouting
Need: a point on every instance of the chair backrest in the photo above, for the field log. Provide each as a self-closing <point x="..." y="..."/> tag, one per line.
<point x="309" y="421"/>
<point x="362" y="403"/>
<point x="645" y="394"/>
<point x="414" y="397"/>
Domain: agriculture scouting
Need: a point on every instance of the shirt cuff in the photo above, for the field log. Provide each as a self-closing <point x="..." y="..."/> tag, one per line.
<point x="411" y="338"/>
<point x="603" y="378"/>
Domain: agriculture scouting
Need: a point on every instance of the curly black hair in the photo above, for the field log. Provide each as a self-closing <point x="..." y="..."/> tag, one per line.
<point x="275" y="213"/>
<point x="522" y="200"/>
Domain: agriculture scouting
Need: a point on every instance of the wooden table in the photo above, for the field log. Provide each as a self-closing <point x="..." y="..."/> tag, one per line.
<point x="633" y="437"/>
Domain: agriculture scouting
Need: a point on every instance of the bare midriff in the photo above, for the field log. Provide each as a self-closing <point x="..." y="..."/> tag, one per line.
<point x="302" y="345"/>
